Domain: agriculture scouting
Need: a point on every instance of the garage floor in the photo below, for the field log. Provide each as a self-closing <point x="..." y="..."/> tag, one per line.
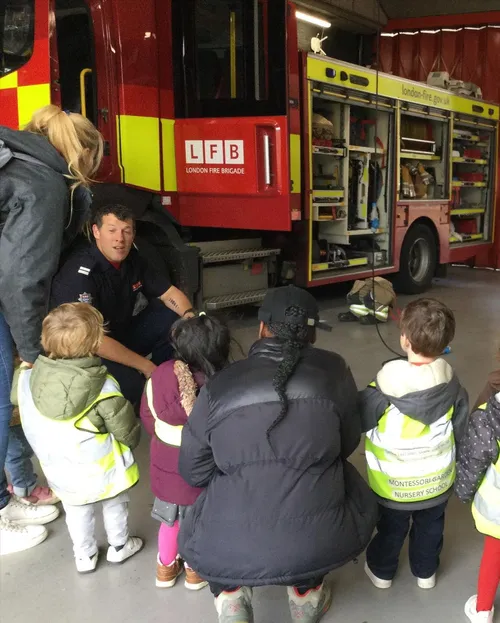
<point x="42" y="584"/>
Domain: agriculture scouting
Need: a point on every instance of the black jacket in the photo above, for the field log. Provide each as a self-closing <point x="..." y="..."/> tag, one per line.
<point x="479" y="448"/>
<point x="280" y="514"/>
<point x="37" y="219"/>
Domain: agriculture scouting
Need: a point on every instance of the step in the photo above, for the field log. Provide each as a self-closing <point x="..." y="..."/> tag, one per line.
<point x="233" y="300"/>
<point x="216" y="257"/>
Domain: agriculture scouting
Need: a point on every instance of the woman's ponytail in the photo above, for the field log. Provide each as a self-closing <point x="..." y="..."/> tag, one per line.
<point x="75" y="138"/>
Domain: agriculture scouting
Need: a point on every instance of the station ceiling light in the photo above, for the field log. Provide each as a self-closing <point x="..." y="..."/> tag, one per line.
<point x="311" y="19"/>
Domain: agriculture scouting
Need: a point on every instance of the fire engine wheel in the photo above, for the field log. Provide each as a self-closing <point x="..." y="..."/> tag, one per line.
<point x="418" y="261"/>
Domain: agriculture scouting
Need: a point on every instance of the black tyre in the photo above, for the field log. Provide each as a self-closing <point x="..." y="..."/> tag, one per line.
<point x="418" y="261"/>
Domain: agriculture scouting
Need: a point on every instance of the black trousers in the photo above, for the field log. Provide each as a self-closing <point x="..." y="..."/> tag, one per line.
<point x="426" y="541"/>
<point x="302" y="588"/>
<point x="149" y="332"/>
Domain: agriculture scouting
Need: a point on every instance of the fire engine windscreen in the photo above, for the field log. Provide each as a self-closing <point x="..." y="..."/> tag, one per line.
<point x="17" y="33"/>
<point x="230" y="57"/>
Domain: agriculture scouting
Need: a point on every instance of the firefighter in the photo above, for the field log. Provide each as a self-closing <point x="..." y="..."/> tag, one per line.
<point x="110" y="275"/>
<point x="45" y="174"/>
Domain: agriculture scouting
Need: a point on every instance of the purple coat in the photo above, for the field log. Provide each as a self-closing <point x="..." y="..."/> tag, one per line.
<point x="174" y="394"/>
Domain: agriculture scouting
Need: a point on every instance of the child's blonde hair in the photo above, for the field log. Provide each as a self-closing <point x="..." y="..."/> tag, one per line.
<point x="72" y="331"/>
<point x="75" y="138"/>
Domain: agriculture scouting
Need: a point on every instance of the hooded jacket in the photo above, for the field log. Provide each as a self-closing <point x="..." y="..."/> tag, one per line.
<point x="171" y="393"/>
<point x="81" y="428"/>
<point x="478" y="467"/>
<point x="480" y="448"/>
<point x="38" y="218"/>
<point x="62" y="388"/>
<point x="413" y="416"/>
<point x="278" y="510"/>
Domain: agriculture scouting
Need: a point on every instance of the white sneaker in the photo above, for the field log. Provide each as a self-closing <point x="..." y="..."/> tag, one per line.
<point x="24" y="513"/>
<point x="311" y="607"/>
<point x="427" y="583"/>
<point x="377" y="582"/>
<point x="87" y="564"/>
<point x="131" y="547"/>
<point x="477" y="617"/>
<point x="15" y="538"/>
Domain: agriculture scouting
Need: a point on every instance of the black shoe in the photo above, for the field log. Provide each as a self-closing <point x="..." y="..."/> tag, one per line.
<point x="347" y="317"/>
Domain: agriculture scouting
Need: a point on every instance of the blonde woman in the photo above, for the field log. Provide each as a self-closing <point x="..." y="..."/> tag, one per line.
<point x="45" y="174"/>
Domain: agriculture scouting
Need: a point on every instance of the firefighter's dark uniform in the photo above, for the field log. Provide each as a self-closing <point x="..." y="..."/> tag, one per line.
<point x="87" y="276"/>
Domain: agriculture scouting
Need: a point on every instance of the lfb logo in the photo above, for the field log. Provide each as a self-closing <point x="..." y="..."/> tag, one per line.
<point x="215" y="152"/>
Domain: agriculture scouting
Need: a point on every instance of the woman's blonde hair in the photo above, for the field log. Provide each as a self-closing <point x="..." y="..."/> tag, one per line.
<point x="75" y="138"/>
<point x="72" y="331"/>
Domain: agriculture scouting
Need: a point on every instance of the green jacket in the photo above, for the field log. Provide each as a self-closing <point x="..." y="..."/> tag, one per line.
<point x="62" y="388"/>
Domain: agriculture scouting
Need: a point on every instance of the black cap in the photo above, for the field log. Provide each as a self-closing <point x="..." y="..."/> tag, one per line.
<point x="278" y="301"/>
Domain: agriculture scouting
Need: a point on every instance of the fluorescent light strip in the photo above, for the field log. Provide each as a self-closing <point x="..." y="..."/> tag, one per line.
<point x="310" y="19"/>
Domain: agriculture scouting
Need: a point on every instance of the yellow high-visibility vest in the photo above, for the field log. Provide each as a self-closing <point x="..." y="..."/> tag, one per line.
<point x="409" y="461"/>
<point x="81" y="464"/>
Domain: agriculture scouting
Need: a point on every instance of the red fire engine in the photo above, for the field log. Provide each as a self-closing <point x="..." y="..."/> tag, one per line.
<point x="248" y="160"/>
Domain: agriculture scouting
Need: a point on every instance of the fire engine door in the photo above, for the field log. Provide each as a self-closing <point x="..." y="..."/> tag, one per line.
<point x="231" y="133"/>
<point x="84" y="76"/>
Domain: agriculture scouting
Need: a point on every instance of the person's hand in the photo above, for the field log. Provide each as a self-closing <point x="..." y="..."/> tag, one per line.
<point x="26" y="364"/>
<point x="147" y="368"/>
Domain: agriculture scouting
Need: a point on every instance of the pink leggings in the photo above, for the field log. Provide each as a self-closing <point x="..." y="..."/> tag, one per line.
<point x="167" y="543"/>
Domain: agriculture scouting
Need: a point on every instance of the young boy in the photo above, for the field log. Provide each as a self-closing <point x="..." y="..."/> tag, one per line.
<point x="414" y="414"/>
<point x="82" y="430"/>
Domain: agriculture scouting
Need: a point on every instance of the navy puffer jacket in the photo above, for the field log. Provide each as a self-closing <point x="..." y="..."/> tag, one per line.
<point x="280" y="514"/>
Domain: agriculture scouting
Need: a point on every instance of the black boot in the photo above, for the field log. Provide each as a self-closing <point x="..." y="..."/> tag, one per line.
<point x="347" y="317"/>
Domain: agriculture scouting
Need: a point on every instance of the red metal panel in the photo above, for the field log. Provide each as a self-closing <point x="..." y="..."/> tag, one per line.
<point x="225" y="163"/>
<point x="236" y="212"/>
<point x="166" y="75"/>
<point x="37" y="69"/>
<point x="138" y="57"/>
<point x="139" y="100"/>
<point x="9" y="115"/>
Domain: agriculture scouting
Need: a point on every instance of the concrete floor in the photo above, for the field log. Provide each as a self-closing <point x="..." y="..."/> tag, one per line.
<point x="42" y="584"/>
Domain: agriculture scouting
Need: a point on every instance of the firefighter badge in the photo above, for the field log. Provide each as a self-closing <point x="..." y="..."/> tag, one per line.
<point x="85" y="297"/>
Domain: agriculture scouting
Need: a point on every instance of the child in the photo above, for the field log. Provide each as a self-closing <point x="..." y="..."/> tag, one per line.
<point x="478" y="479"/>
<point x="201" y="345"/>
<point x="82" y="430"/>
<point x="414" y="414"/>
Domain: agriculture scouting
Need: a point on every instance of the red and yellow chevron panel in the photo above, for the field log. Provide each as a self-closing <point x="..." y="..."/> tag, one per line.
<point x="27" y="89"/>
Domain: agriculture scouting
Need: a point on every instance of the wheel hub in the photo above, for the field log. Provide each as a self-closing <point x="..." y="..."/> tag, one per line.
<point x="419" y="260"/>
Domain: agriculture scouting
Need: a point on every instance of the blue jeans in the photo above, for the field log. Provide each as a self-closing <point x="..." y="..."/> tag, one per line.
<point x="18" y="463"/>
<point x="6" y="372"/>
<point x="148" y="333"/>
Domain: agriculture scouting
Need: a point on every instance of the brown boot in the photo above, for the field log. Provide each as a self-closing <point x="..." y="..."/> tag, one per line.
<point x="166" y="577"/>
<point x="193" y="582"/>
